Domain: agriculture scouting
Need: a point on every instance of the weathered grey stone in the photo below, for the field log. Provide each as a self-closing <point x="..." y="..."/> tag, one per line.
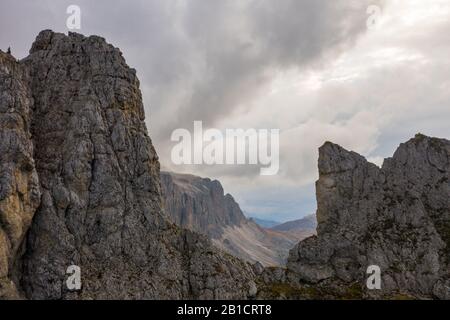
<point x="396" y="217"/>
<point x="19" y="187"/>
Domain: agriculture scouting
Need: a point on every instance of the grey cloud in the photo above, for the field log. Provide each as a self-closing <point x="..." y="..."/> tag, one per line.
<point x="201" y="60"/>
<point x="241" y="44"/>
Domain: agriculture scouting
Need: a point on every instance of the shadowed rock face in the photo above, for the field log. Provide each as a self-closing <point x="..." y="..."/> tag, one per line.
<point x="99" y="174"/>
<point x="19" y="186"/>
<point x="200" y="204"/>
<point x="396" y="217"/>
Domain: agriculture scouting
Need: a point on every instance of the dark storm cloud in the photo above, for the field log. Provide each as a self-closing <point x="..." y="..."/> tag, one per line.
<point x="238" y="46"/>
<point x="201" y="59"/>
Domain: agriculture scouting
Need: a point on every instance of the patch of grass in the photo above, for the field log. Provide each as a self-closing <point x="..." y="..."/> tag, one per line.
<point x="401" y="296"/>
<point x="283" y="289"/>
<point x="353" y="292"/>
<point x="288" y="291"/>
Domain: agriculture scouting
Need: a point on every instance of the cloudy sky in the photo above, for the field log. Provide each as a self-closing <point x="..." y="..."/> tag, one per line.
<point x="311" y="68"/>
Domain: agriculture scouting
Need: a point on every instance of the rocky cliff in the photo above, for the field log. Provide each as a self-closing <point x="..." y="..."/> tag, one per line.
<point x="75" y="100"/>
<point x="396" y="217"/>
<point x="80" y="185"/>
<point x="200" y="204"/>
<point x="308" y="222"/>
<point x="19" y="186"/>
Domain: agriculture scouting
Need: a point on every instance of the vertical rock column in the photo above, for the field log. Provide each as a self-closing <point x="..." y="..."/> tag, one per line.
<point x="19" y="187"/>
<point x="101" y="201"/>
<point x="396" y="217"/>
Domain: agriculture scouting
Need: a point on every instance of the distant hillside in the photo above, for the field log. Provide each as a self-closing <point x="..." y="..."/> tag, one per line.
<point x="265" y="223"/>
<point x="80" y="187"/>
<point x="307" y="223"/>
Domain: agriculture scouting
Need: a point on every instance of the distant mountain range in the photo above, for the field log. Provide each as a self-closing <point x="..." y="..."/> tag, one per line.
<point x="200" y="205"/>
<point x="308" y="222"/>
<point x="300" y="229"/>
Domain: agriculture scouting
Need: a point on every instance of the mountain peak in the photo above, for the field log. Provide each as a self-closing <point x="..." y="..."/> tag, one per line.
<point x="334" y="158"/>
<point x="78" y="137"/>
<point x="396" y="217"/>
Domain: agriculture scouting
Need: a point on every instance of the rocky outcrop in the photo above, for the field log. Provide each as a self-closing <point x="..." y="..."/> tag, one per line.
<point x="80" y="185"/>
<point x="396" y="217"/>
<point x="200" y="204"/>
<point x="308" y="222"/>
<point x="100" y="207"/>
<point x="19" y="186"/>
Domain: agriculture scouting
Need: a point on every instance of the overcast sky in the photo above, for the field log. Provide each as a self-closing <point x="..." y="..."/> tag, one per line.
<point x="311" y="68"/>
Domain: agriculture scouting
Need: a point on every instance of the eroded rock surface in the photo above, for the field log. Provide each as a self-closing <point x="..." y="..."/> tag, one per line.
<point x="99" y="175"/>
<point x="396" y="217"/>
<point x="19" y="187"/>
<point x="301" y="228"/>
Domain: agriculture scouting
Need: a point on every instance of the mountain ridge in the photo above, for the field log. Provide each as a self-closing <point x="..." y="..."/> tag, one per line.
<point x="265" y="223"/>
<point x="80" y="185"/>
<point x="396" y="218"/>
<point x="77" y="109"/>
<point x="200" y="205"/>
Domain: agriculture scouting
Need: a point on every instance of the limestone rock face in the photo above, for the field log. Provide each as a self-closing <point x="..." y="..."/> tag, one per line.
<point x="19" y="186"/>
<point x="200" y="205"/>
<point x="396" y="217"/>
<point x="99" y="175"/>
